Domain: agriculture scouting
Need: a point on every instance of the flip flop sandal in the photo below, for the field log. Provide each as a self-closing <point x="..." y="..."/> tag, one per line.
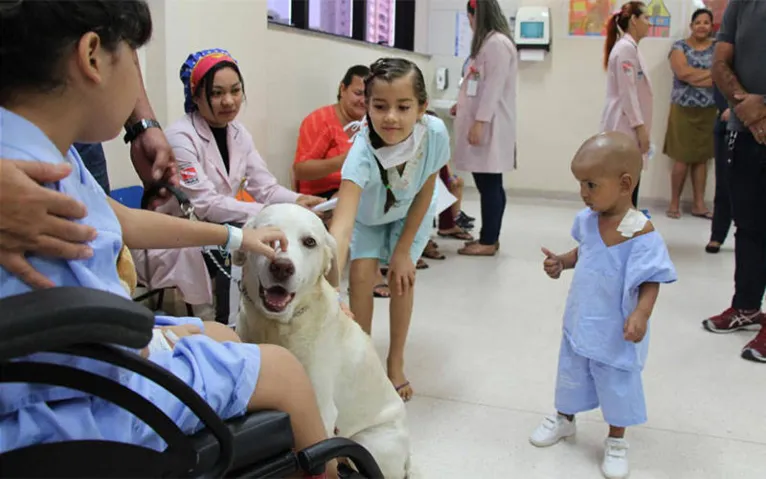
<point x="421" y="264"/>
<point x="433" y="254"/>
<point x="674" y="215"/>
<point x="400" y="387"/>
<point x="377" y="294"/>
<point x="458" y="235"/>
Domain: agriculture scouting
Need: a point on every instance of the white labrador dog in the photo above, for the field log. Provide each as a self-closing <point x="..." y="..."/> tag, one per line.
<point x="289" y="302"/>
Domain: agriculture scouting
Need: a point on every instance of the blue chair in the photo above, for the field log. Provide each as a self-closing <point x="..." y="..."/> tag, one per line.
<point x="129" y="196"/>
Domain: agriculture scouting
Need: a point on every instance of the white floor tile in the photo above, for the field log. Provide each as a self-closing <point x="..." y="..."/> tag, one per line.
<point x="483" y="347"/>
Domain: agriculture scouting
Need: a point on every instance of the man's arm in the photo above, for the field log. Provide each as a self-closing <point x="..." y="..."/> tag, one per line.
<point x="143" y="109"/>
<point x="723" y="75"/>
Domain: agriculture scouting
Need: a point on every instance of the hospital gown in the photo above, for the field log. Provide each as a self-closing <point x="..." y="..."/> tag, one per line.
<point x="224" y="375"/>
<point x="597" y="366"/>
<point x="376" y="233"/>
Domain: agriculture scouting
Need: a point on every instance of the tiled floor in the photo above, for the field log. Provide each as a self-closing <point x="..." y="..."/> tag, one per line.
<point x="482" y="357"/>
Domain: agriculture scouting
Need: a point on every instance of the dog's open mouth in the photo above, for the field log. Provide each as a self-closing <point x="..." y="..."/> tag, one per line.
<point x="276" y="299"/>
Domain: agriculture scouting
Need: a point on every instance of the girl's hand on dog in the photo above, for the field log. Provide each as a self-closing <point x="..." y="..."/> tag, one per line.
<point x="266" y="240"/>
<point x="401" y="274"/>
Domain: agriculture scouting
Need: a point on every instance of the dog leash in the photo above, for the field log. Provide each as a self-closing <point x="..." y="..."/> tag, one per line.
<point x="187" y="211"/>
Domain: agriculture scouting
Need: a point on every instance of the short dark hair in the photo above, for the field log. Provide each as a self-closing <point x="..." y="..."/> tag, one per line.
<point x="702" y="11"/>
<point x="360" y="71"/>
<point x="35" y="37"/>
<point x="208" y="82"/>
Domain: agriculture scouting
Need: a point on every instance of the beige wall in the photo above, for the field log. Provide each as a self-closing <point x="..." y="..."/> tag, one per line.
<point x="289" y="73"/>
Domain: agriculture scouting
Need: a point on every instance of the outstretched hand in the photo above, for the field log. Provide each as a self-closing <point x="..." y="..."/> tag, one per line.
<point x="553" y="264"/>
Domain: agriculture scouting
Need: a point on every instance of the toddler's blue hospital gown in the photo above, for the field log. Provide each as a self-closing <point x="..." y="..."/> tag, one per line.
<point x="597" y="366"/>
<point x="225" y="375"/>
<point x="376" y="233"/>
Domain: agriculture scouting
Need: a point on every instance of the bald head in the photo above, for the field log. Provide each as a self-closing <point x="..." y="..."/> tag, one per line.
<point x="613" y="153"/>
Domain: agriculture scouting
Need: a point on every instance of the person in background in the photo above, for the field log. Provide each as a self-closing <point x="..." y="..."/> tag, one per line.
<point x="688" y="140"/>
<point x="324" y="139"/>
<point x="629" y="95"/>
<point x="326" y="135"/>
<point x="721" y="223"/>
<point x="740" y="73"/>
<point x="485" y="118"/>
<point x="94" y="159"/>
<point x="220" y="170"/>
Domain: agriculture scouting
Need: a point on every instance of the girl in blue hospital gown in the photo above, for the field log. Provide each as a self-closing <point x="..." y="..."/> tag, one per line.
<point x="618" y="266"/>
<point x="387" y="199"/>
<point x="97" y="84"/>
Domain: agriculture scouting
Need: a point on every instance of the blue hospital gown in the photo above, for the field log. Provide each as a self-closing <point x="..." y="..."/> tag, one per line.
<point x="604" y="292"/>
<point x="223" y="374"/>
<point x="375" y="232"/>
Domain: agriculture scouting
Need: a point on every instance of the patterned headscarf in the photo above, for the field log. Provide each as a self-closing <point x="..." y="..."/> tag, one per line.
<point x="196" y="67"/>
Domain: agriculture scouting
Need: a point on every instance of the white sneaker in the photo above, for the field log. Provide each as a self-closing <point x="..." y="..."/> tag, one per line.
<point x="615" y="465"/>
<point x="552" y="430"/>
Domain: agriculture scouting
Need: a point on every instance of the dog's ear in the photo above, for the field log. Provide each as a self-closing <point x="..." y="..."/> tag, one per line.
<point x="331" y="272"/>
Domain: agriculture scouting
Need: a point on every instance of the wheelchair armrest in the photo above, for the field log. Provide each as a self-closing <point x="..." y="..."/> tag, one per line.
<point x="55" y="318"/>
<point x="313" y="459"/>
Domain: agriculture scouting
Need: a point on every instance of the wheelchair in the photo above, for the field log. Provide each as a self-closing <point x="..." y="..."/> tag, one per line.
<point x="98" y="325"/>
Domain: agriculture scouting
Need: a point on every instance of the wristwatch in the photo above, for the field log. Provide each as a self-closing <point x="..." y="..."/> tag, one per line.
<point x="132" y="132"/>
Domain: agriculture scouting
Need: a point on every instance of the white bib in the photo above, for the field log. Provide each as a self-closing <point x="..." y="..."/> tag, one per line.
<point x="395" y="155"/>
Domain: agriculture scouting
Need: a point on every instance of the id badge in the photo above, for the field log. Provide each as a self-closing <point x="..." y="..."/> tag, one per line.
<point x="473" y="87"/>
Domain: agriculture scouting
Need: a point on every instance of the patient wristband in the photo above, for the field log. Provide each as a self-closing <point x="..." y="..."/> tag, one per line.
<point x="234" y="238"/>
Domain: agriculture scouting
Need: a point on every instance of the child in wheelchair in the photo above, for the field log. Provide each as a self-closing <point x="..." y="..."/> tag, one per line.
<point x="69" y="73"/>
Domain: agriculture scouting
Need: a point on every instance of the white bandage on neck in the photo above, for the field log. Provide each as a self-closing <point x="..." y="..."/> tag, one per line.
<point x="633" y="222"/>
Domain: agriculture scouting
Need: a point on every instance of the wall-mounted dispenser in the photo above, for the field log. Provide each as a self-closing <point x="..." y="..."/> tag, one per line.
<point x="442" y="78"/>
<point x="532" y="33"/>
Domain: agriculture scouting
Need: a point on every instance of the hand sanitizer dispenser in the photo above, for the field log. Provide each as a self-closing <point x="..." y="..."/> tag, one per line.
<point x="532" y="33"/>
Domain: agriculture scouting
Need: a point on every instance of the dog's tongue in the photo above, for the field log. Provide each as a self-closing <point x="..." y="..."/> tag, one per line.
<point x="277" y="296"/>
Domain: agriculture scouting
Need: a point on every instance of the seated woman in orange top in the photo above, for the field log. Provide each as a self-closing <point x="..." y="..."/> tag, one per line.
<point x="325" y="137"/>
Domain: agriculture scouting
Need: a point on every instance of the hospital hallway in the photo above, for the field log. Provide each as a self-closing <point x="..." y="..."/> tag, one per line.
<point x="483" y="349"/>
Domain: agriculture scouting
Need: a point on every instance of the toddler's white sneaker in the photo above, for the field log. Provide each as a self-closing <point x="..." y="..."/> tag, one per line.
<point x="615" y="465"/>
<point x="552" y="430"/>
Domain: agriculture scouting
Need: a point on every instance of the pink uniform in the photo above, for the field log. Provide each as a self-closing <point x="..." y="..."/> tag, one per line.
<point x="628" y="90"/>
<point x="212" y="190"/>
<point x="494" y="102"/>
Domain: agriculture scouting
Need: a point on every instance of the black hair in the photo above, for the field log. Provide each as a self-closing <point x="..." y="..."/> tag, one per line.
<point x="360" y="71"/>
<point x="36" y="37"/>
<point x="388" y="70"/>
<point x="702" y="11"/>
<point x="208" y="82"/>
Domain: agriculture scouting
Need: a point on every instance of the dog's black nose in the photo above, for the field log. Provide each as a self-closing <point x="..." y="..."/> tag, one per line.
<point x="282" y="269"/>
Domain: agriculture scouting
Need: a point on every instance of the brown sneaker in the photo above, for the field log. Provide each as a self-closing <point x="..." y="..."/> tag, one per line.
<point x="734" y="320"/>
